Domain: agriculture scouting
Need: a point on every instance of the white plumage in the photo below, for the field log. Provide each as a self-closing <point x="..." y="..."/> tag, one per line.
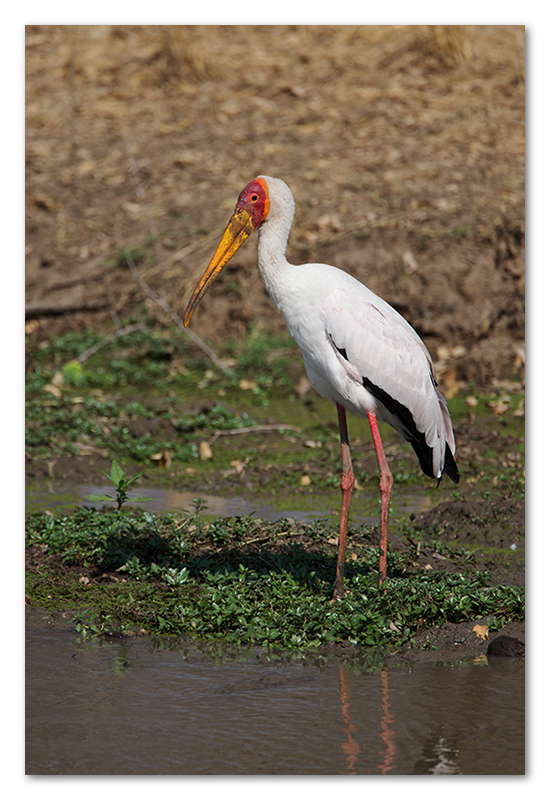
<point x="358" y="351"/>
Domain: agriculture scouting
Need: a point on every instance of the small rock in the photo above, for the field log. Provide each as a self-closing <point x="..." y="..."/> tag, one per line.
<point x="506" y="646"/>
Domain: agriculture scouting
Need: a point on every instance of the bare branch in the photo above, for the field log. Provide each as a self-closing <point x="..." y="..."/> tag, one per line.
<point x="44" y="309"/>
<point x="172" y="314"/>
<point x="275" y="536"/>
<point x="140" y="191"/>
<point x="147" y="289"/>
<point x="254" y="429"/>
<point x="119" y="332"/>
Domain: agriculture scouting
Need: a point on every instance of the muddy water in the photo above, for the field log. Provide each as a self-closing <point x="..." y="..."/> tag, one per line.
<point x="59" y="497"/>
<point x="128" y="708"/>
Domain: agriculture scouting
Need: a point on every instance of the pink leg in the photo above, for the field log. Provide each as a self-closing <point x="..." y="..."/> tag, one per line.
<point x="348" y="482"/>
<point x="386" y="482"/>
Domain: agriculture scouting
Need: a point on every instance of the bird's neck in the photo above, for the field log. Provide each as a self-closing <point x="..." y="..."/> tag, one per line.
<point x="273" y="265"/>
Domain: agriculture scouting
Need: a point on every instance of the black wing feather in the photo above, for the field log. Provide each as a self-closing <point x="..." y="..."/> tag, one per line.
<point x="417" y="439"/>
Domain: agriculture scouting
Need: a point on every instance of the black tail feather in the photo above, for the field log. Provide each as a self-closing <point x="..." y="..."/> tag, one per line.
<point x="450" y="467"/>
<point x="424" y="455"/>
<point x="423" y="452"/>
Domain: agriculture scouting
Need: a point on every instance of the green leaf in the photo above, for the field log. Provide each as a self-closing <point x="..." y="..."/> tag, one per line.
<point x="117" y="474"/>
<point x="97" y="497"/>
<point x="134" y="478"/>
<point x="73" y="373"/>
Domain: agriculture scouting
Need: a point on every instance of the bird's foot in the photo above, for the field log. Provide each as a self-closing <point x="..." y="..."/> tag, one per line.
<point x="337" y="596"/>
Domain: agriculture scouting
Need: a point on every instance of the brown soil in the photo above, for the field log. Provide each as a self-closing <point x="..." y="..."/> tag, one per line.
<point x="450" y="642"/>
<point x="403" y="145"/>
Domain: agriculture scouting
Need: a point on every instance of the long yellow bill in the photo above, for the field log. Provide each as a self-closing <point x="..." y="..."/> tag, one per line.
<point x="239" y="228"/>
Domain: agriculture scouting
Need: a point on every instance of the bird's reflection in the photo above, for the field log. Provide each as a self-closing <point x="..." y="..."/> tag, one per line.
<point x="350" y="747"/>
<point x="387" y="734"/>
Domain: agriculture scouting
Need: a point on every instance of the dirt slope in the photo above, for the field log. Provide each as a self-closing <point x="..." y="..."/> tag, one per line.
<point x="403" y="145"/>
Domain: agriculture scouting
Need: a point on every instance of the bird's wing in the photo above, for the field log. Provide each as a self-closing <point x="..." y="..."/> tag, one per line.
<point x="375" y="344"/>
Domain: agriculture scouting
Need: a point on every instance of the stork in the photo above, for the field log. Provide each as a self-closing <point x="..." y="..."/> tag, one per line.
<point x="358" y="351"/>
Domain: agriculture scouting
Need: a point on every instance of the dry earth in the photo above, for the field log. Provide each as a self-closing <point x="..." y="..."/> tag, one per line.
<point x="403" y="145"/>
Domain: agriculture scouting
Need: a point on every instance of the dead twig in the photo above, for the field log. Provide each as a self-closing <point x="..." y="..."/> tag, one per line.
<point x="172" y="314"/>
<point x="44" y="309"/>
<point x="263" y="538"/>
<point x="273" y="536"/>
<point x="119" y="332"/>
<point x="254" y="429"/>
<point x="163" y="265"/>
<point x="140" y="191"/>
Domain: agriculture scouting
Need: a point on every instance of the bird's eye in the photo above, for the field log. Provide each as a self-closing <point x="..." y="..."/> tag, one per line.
<point x="254" y="198"/>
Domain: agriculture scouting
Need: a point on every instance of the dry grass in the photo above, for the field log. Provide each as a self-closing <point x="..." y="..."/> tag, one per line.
<point x="397" y="141"/>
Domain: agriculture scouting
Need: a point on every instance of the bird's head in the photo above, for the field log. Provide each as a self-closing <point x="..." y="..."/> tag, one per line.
<point x="251" y="210"/>
<point x="254" y="201"/>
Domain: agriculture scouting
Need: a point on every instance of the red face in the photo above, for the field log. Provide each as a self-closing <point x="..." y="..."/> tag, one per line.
<point x="254" y="199"/>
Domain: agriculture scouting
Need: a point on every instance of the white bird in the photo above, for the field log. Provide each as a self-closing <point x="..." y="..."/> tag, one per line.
<point x="358" y="351"/>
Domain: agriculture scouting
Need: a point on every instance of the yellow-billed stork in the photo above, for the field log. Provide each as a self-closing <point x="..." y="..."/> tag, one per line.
<point x="358" y="351"/>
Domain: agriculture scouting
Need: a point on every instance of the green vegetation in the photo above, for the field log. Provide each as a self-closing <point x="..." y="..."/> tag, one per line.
<point x="70" y="405"/>
<point x="246" y="582"/>
<point x="148" y="394"/>
<point x="121" y="484"/>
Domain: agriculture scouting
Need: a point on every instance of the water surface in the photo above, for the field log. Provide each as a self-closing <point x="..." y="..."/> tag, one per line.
<point x="127" y="707"/>
<point x="57" y="496"/>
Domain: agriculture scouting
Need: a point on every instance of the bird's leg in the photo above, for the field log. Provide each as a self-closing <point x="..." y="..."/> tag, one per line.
<point x="386" y="482"/>
<point x="348" y="482"/>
